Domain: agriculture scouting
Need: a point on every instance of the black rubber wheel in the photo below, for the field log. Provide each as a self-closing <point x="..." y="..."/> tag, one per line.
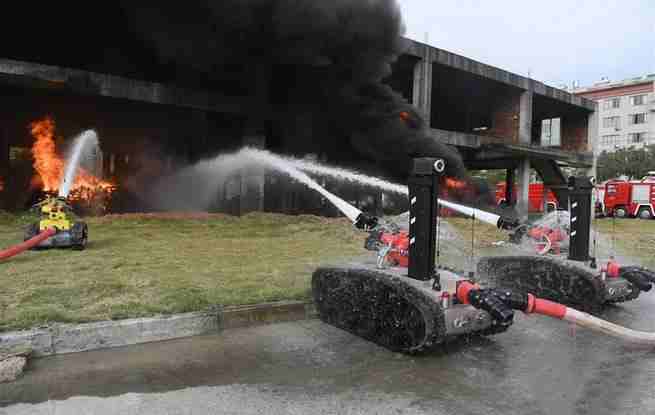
<point x="645" y="213"/>
<point x="620" y="212"/>
<point x="79" y="236"/>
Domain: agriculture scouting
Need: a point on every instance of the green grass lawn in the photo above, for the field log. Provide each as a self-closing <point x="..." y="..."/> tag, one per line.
<point x="632" y="237"/>
<point x="140" y="265"/>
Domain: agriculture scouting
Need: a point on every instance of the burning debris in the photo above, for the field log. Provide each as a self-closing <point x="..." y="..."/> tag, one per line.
<point x="86" y="190"/>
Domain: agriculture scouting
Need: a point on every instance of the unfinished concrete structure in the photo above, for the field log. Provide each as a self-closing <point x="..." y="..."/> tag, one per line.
<point x="493" y="117"/>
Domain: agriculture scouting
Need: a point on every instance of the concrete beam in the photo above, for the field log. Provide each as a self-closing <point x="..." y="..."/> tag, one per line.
<point x="525" y="117"/>
<point x="34" y="75"/>
<point x="455" y="138"/>
<point x="580" y="159"/>
<point x="492" y="164"/>
<point x="496" y="148"/>
<point x="490" y="72"/>
<point x="422" y="90"/>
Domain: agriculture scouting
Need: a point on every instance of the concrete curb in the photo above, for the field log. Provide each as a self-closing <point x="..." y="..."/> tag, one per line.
<point x="71" y="338"/>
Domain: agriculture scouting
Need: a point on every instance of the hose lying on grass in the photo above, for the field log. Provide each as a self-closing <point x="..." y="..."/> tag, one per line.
<point x="30" y="243"/>
<point x="490" y="299"/>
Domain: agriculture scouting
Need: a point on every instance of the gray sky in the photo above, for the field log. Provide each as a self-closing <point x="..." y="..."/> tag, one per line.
<point x="558" y="41"/>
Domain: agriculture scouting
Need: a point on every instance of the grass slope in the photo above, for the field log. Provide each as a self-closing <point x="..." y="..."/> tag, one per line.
<point x="139" y="265"/>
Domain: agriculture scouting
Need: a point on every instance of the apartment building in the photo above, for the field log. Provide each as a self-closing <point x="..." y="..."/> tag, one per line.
<point x="626" y="112"/>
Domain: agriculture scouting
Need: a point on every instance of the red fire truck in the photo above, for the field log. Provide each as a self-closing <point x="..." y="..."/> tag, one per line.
<point x="535" y="197"/>
<point x="630" y="198"/>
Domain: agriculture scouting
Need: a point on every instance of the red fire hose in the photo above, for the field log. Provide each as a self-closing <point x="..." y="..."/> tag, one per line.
<point x="552" y="309"/>
<point x="30" y="243"/>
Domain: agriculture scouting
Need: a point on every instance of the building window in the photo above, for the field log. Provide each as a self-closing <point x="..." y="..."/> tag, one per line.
<point x="638" y="99"/>
<point x="609" y="140"/>
<point x="637" y="118"/>
<point x="612" y="122"/>
<point x="612" y="103"/>
<point x="550" y="133"/>
<point x="635" y="138"/>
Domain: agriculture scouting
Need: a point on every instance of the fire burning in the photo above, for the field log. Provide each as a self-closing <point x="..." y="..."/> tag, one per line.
<point x="454" y="184"/>
<point x="50" y="167"/>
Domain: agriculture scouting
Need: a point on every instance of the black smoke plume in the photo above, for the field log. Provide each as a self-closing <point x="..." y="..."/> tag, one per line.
<point x="326" y="58"/>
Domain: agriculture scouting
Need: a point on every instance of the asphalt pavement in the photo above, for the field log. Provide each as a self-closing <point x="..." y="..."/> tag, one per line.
<point x="539" y="366"/>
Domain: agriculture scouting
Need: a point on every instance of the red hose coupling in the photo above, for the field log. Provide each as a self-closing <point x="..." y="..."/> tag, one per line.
<point x="531" y="304"/>
<point x="463" y="289"/>
<point x="611" y="269"/>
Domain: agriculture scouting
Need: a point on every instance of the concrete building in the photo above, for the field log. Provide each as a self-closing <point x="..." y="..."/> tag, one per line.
<point x="493" y="117"/>
<point x="626" y="112"/>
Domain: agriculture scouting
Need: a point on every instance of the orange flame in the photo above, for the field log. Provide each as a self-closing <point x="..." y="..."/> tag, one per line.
<point x="50" y="166"/>
<point x="455" y="184"/>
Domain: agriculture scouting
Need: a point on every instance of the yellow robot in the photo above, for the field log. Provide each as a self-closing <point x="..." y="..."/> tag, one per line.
<point x="56" y="213"/>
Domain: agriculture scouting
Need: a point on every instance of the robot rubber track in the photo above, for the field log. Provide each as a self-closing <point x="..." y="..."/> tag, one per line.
<point x="555" y="279"/>
<point x="388" y="311"/>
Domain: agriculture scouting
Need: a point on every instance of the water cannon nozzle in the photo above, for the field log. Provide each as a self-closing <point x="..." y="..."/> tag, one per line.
<point x="440" y="165"/>
<point x="366" y="222"/>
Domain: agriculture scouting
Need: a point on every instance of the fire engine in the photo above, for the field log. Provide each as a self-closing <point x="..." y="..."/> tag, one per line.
<point x="535" y="197"/>
<point x="630" y="198"/>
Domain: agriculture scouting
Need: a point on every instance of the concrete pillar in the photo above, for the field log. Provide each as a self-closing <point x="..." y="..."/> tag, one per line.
<point x="592" y="140"/>
<point x="525" y="117"/>
<point x="522" y="199"/>
<point x="509" y="187"/>
<point x="592" y="146"/>
<point x="422" y="90"/>
<point x="525" y="137"/>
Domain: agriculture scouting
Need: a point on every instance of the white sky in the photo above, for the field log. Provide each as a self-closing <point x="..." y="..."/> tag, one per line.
<point x="558" y="41"/>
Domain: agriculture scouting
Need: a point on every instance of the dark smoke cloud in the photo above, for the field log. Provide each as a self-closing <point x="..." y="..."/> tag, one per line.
<point x="324" y="57"/>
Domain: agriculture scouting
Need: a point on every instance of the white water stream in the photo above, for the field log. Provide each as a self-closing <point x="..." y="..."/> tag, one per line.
<point x="284" y="165"/>
<point x="82" y="146"/>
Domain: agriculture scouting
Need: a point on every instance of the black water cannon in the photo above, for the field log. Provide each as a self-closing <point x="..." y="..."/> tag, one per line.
<point x="580" y="189"/>
<point x="423" y="210"/>
<point x="366" y="222"/>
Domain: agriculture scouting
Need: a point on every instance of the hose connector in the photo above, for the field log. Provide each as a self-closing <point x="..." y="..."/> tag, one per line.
<point x="489" y="301"/>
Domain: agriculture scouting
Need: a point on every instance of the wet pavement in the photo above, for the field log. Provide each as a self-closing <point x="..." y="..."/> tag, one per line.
<point x="539" y="366"/>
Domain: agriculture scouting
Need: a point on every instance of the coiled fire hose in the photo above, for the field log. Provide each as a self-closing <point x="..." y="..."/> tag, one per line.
<point x="30" y="243"/>
<point x="500" y="303"/>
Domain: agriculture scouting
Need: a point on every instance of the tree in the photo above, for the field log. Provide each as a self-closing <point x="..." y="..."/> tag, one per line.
<point x="630" y="162"/>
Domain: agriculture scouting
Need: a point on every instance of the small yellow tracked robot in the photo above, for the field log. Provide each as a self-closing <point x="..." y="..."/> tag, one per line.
<point x="56" y="213"/>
